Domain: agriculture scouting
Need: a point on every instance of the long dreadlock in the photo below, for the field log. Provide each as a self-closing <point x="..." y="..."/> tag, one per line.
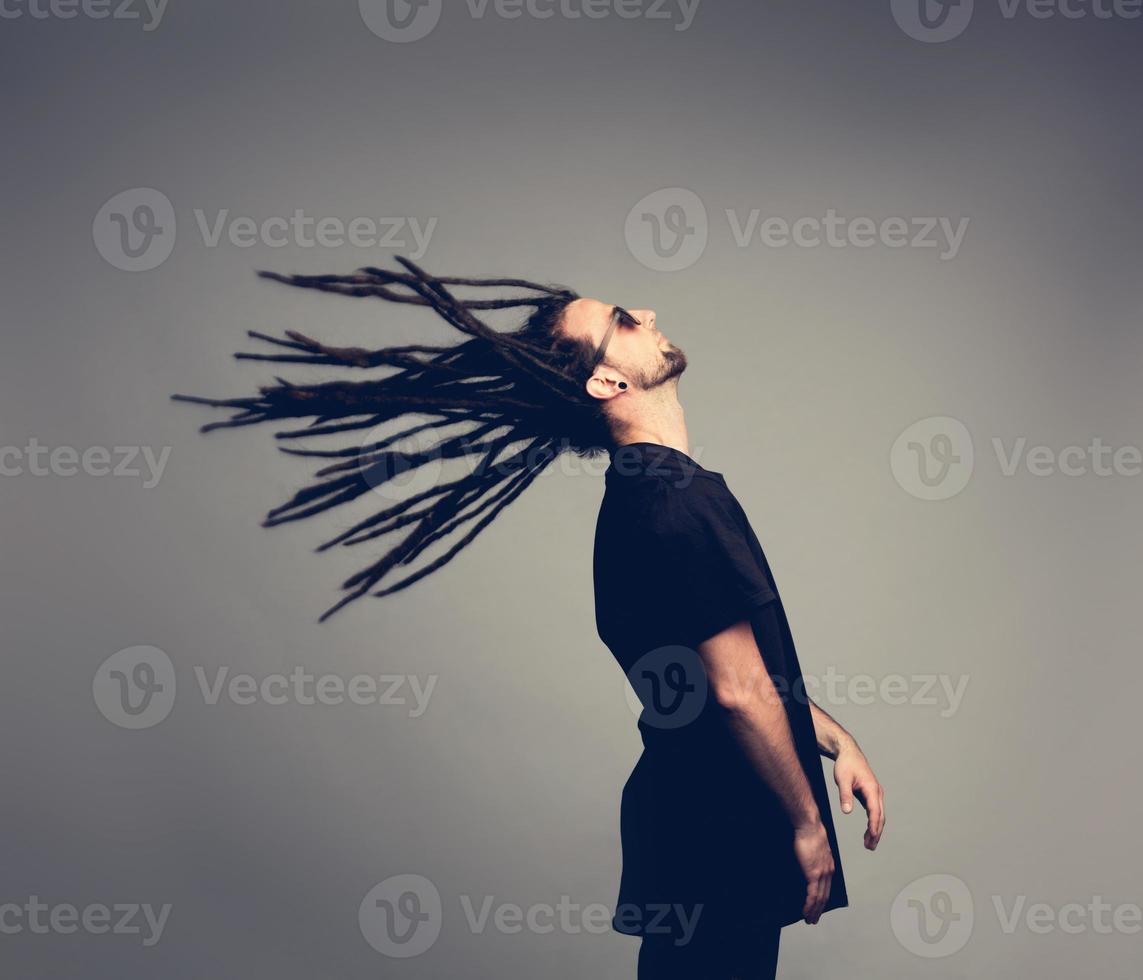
<point x="509" y="387"/>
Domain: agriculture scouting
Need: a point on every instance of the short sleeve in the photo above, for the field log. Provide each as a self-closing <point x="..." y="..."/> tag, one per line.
<point x="712" y="577"/>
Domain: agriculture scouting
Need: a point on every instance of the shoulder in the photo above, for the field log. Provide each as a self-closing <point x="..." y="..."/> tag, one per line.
<point x="697" y="508"/>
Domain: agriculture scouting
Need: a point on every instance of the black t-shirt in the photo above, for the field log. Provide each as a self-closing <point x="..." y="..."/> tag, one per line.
<point x="675" y="562"/>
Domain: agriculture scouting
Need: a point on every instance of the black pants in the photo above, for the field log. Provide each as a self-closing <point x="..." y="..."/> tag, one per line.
<point x="712" y="953"/>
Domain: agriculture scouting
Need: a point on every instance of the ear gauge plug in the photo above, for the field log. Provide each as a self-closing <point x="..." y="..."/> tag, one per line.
<point x="622" y="384"/>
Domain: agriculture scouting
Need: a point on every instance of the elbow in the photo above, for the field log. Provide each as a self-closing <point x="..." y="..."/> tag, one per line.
<point x="732" y="698"/>
<point x="743" y="695"/>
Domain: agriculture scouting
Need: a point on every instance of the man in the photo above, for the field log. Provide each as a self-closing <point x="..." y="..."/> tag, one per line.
<point x="726" y="818"/>
<point x="726" y="825"/>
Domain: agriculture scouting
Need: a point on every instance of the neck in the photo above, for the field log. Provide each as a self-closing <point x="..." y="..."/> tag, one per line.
<point x="660" y="420"/>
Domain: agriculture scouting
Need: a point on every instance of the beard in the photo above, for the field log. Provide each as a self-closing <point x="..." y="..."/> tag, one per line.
<point x="673" y="364"/>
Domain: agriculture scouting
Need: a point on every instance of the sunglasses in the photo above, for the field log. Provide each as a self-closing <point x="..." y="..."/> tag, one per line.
<point x="618" y="316"/>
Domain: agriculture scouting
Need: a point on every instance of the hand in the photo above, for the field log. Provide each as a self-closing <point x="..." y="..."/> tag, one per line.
<point x="853" y="776"/>
<point x="811" y="846"/>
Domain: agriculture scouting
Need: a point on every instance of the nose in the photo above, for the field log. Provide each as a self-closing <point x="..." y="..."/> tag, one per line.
<point x="646" y="318"/>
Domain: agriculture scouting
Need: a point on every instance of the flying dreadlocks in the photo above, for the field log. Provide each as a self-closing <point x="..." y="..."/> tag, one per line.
<point x="510" y="387"/>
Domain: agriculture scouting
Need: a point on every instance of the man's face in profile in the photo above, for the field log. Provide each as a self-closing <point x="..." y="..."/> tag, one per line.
<point x="637" y="349"/>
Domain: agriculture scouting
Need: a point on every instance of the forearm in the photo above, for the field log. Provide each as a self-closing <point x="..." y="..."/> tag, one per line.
<point x="831" y="737"/>
<point x="757" y="718"/>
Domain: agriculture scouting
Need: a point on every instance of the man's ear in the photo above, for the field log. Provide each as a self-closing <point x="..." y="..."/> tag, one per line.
<point x="604" y="385"/>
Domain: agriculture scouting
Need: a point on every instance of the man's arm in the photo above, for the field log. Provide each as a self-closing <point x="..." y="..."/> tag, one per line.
<point x="745" y="692"/>
<point x="851" y="772"/>
<point x="832" y="738"/>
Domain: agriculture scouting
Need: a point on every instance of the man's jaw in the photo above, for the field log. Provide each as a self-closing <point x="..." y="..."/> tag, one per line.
<point x="668" y="374"/>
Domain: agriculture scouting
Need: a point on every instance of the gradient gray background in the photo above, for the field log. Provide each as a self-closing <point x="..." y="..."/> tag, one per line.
<point x="531" y="140"/>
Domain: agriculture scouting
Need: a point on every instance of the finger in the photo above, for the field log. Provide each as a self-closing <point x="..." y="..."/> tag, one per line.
<point x="845" y="788"/>
<point x="875" y="820"/>
<point x="874" y="833"/>
<point x="823" y="897"/>
<point x="811" y="900"/>
<point x="819" y="897"/>
<point x="823" y="894"/>
<point x="810" y="910"/>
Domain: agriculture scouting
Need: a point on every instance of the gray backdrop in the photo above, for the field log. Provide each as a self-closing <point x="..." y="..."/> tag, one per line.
<point x="931" y="417"/>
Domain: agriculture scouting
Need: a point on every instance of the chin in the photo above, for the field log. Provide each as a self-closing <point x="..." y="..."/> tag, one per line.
<point x="676" y="362"/>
